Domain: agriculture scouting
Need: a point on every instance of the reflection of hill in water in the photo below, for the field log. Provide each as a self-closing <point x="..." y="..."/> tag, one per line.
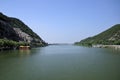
<point x="19" y="53"/>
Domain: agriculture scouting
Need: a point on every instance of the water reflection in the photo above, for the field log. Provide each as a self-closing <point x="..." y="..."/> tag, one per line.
<point x="60" y="63"/>
<point x="19" y="53"/>
<point x="24" y="52"/>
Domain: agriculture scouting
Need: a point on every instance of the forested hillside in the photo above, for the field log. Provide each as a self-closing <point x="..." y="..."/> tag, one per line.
<point x="108" y="37"/>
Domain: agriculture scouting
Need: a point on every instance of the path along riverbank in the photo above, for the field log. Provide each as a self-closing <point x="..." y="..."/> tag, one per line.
<point x="107" y="46"/>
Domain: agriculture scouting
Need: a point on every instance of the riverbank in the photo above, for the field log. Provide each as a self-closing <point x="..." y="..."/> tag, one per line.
<point x="107" y="46"/>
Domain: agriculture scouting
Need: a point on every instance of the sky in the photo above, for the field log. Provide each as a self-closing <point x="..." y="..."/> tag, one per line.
<point x="64" y="21"/>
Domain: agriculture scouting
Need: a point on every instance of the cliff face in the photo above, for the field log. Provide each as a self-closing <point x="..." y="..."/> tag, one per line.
<point x="16" y="30"/>
<point x="108" y="37"/>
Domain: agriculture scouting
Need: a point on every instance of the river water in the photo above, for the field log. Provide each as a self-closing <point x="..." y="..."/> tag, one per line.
<point x="60" y="62"/>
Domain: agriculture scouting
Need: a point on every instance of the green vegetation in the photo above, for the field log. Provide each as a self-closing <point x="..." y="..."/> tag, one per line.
<point x="83" y="44"/>
<point x="108" y="37"/>
<point x="10" y="44"/>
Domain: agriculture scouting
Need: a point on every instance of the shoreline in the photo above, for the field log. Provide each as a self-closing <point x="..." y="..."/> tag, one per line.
<point x="107" y="46"/>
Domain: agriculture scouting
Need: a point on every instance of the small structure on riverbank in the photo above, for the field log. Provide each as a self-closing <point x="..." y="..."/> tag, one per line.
<point x="24" y="47"/>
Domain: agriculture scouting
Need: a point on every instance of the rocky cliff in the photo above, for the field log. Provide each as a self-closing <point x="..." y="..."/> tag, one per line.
<point x="14" y="29"/>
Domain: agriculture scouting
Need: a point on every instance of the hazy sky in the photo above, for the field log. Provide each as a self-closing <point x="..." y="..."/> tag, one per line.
<point x="64" y="21"/>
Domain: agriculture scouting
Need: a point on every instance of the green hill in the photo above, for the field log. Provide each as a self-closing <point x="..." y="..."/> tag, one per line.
<point x="14" y="30"/>
<point x="108" y="37"/>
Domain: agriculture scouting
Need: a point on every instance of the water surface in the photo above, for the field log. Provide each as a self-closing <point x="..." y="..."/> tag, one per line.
<point x="60" y="62"/>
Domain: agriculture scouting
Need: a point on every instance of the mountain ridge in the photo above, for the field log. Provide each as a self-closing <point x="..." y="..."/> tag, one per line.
<point x="14" y="29"/>
<point x="110" y="36"/>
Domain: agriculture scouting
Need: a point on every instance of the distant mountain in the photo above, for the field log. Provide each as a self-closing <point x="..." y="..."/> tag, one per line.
<point x="108" y="37"/>
<point x="14" y="29"/>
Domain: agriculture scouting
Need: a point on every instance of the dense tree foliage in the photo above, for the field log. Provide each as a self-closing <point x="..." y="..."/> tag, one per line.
<point x="4" y="43"/>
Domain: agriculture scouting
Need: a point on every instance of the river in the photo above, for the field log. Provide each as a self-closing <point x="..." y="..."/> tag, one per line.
<point x="60" y="62"/>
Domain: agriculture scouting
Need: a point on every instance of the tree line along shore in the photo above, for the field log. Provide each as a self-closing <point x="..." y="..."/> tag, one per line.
<point x="10" y="44"/>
